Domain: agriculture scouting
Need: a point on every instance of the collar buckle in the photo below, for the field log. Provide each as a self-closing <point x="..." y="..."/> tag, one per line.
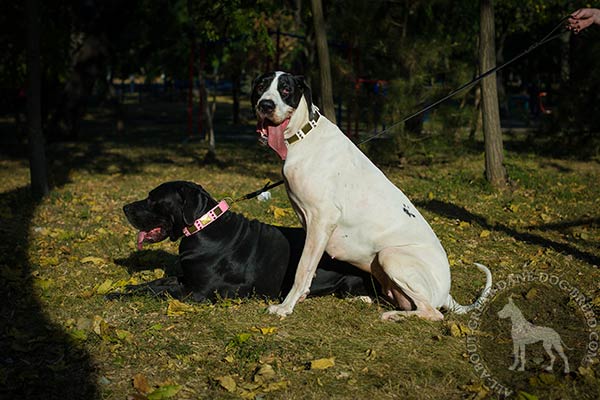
<point x="301" y="133"/>
<point x="206" y="219"/>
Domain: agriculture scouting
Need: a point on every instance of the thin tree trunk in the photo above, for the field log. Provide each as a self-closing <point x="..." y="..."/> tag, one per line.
<point x="494" y="169"/>
<point x="324" y="64"/>
<point x="565" y="70"/>
<point x="37" y="155"/>
<point x="208" y="112"/>
<point x="235" y="109"/>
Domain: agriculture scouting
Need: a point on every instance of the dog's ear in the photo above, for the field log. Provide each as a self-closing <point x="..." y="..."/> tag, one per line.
<point x="305" y="89"/>
<point x="193" y="203"/>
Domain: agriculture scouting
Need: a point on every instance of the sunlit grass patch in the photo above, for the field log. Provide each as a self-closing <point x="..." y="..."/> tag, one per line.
<point x="79" y="247"/>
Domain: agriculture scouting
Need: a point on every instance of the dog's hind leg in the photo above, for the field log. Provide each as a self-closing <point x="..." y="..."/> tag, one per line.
<point x="559" y="349"/>
<point x="548" y="347"/>
<point x="411" y="289"/>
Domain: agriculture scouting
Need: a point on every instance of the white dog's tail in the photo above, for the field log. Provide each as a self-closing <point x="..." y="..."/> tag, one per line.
<point x="453" y="306"/>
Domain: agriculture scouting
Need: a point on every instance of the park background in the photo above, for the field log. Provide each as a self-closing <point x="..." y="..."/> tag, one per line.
<point x="103" y="100"/>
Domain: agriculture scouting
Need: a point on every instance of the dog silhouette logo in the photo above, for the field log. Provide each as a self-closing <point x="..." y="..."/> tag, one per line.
<point x="524" y="332"/>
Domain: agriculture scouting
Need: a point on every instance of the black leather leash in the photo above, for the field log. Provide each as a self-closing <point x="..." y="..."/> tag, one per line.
<point x="549" y="37"/>
<point x="252" y="195"/>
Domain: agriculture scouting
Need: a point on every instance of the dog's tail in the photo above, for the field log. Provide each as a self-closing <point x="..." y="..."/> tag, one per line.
<point x="453" y="306"/>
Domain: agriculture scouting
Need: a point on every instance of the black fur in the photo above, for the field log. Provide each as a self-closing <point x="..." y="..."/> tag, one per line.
<point x="234" y="256"/>
<point x="295" y="85"/>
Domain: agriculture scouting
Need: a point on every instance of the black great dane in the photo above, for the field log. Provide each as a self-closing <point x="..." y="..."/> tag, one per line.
<point x="225" y="255"/>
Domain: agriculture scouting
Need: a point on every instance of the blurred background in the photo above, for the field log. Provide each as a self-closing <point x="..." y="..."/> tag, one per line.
<point x="195" y="60"/>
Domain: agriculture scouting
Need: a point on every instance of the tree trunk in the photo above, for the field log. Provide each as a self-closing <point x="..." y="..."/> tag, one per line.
<point x="324" y="65"/>
<point x="494" y="169"/>
<point x="208" y="112"/>
<point x="37" y="155"/>
<point x="565" y="70"/>
<point x="235" y="89"/>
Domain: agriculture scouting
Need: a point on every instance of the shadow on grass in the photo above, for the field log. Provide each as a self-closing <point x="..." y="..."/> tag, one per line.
<point x="38" y="360"/>
<point x="449" y="210"/>
<point x="145" y="260"/>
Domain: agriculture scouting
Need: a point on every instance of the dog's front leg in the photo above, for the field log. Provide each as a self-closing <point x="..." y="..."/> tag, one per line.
<point x="317" y="237"/>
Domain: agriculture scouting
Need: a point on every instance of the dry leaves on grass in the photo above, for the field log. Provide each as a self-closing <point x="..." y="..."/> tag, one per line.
<point x="477" y="389"/>
<point x="279" y="212"/>
<point x="177" y="308"/>
<point x="264" y="380"/>
<point x="459" y="330"/>
<point x="266" y="330"/>
<point x="322" y="363"/>
<point x="145" y="391"/>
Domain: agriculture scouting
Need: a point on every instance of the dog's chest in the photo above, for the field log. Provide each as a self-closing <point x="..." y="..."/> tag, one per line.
<point x="351" y="246"/>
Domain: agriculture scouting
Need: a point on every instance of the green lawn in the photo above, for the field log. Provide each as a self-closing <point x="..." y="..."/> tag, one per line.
<point x="60" y="338"/>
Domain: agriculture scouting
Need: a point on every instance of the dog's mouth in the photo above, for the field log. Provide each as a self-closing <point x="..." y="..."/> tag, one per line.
<point x="274" y="135"/>
<point x="154" y="235"/>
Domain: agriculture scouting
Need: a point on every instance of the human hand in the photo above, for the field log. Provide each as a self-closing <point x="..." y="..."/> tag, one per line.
<point x="583" y="18"/>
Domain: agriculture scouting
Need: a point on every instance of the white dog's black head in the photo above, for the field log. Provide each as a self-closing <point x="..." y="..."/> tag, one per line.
<point x="276" y="95"/>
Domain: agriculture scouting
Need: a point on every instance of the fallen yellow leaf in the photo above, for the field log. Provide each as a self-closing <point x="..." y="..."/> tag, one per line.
<point x="458" y="330"/>
<point x="322" y="363"/>
<point x="140" y="383"/>
<point x="176" y="308"/>
<point x="278" y="212"/>
<point x="93" y="260"/>
<point x="531" y="294"/>
<point x="104" y="287"/>
<point x="267" y="330"/>
<point x="264" y="373"/>
<point x="227" y="382"/>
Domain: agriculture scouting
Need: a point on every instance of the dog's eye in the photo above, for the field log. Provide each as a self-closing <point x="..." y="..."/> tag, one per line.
<point x="285" y="91"/>
<point x="260" y="87"/>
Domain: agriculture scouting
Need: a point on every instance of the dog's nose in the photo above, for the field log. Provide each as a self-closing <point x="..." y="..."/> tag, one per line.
<point x="266" y="106"/>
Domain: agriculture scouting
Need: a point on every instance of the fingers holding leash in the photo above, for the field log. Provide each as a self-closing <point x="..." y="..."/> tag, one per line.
<point x="583" y="18"/>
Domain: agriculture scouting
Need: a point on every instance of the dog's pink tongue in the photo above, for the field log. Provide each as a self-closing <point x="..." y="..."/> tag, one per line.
<point x="140" y="239"/>
<point x="275" y="137"/>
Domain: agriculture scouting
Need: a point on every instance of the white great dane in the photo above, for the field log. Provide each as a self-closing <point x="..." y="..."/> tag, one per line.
<point x="349" y="208"/>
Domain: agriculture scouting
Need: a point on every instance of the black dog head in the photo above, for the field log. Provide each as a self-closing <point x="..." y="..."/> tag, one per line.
<point x="168" y="209"/>
<point x="276" y="95"/>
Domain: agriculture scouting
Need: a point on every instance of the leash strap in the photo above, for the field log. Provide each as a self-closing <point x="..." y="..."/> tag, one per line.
<point x="207" y="218"/>
<point x="302" y="133"/>
<point x="473" y="81"/>
<point x="252" y="195"/>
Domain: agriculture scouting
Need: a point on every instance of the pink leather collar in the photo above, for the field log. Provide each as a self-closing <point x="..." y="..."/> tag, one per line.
<point x="207" y="218"/>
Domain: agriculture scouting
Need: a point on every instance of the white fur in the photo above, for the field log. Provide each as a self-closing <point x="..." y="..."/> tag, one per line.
<point x="350" y="209"/>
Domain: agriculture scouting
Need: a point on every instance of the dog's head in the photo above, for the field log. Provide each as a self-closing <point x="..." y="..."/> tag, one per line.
<point x="168" y="209"/>
<point x="276" y="96"/>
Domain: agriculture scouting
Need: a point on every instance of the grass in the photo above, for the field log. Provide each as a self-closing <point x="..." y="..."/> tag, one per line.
<point x="61" y="339"/>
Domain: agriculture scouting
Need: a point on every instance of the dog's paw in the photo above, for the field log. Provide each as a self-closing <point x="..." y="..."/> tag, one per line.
<point x="361" y="299"/>
<point x="278" y="309"/>
<point x="392" y="316"/>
